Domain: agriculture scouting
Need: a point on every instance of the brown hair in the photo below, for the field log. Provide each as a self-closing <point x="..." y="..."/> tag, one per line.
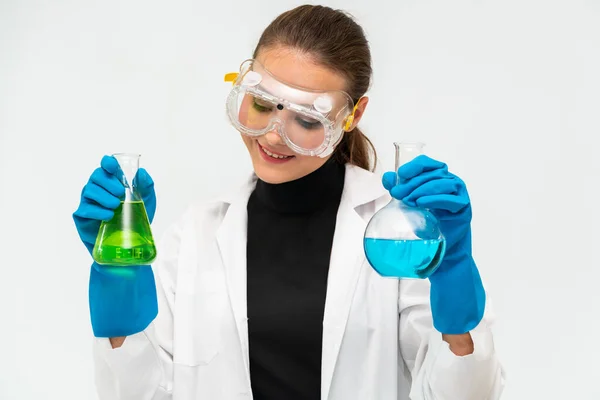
<point x="339" y="43"/>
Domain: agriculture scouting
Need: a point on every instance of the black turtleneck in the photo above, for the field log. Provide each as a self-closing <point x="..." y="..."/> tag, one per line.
<point x="290" y="233"/>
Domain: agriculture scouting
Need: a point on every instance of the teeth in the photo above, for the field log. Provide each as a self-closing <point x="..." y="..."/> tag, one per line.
<point x="273" y="155"/>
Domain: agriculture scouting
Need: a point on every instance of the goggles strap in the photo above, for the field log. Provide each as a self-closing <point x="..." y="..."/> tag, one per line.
<point x="350" y="118"/>
<point x="231" y="77"/>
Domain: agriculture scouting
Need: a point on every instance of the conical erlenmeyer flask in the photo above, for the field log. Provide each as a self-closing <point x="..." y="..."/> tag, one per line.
<point x="402" y="241"/>
<point x="126" y="239"/>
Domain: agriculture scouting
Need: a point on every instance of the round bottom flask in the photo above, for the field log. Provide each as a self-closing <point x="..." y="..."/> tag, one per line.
<point x="402" y="241"/>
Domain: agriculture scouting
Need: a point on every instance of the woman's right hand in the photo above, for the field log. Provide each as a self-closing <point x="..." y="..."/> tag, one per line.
<point x="122" y="300"/>
<point x="101" y="196"/>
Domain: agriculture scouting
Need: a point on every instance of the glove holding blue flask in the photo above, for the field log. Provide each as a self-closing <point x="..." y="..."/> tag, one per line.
<point x="457" y="293"/>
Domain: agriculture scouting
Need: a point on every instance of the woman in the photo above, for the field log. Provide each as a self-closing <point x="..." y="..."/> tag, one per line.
<point x="265" y="293"/>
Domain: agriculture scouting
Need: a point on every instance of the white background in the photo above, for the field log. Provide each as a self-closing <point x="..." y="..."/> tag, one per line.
<point x="506" y="92"/>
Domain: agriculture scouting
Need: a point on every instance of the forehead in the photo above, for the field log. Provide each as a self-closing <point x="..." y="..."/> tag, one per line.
<point x="298" y="69"/>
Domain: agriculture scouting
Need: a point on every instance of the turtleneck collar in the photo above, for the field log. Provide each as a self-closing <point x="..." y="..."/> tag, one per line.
<point x="317" y="189"/>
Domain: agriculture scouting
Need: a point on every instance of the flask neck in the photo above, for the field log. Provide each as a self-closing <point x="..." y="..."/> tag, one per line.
<point x="406" y="152"/>
<point x="127" y="174"/>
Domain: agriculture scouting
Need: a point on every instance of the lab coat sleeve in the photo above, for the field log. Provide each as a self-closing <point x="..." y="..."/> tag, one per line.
<point x="437" y="373"/>
<point x="141" y="369"/>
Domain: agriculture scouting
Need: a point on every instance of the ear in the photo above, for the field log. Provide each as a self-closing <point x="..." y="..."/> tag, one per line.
<point x="360" y="110"/>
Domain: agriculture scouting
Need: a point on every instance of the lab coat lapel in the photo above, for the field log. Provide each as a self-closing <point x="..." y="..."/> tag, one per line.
<point x="231" y="239"/>
<point x="345" y="265"/>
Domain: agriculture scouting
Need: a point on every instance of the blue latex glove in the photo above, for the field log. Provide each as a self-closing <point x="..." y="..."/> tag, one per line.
<point x="457" y="293"/>
<point x="122" y="300"/>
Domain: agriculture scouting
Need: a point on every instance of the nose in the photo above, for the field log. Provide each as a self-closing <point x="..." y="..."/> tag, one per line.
<point x="273" y="138"/>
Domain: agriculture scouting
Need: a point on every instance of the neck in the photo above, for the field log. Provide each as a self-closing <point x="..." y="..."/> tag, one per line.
<point x="305" y="194"/>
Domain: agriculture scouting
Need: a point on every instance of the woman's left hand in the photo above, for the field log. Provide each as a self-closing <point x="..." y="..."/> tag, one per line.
<point x="457" y="294"/>
<point x="426" y="183"/>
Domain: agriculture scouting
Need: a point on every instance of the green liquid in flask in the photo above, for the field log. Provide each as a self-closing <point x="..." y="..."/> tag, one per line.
<point x="126" y="239"/>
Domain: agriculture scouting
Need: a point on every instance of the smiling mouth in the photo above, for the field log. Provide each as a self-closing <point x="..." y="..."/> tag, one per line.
<point x="273" y="155"/>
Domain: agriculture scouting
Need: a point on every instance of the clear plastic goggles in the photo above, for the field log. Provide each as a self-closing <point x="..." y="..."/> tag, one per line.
<point x="309" y="122"/>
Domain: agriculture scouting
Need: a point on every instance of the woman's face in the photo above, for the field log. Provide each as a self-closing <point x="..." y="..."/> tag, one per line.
<point x="299" y="70"/>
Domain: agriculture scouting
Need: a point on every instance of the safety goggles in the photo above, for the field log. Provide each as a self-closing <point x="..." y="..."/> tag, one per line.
<point x="309" y="122"/>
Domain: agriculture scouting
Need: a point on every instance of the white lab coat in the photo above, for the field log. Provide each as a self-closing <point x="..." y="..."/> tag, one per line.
<point x="378" y="339"/>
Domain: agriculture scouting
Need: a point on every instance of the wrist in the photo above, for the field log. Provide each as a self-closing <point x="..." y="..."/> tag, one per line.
<point x="461" y="344"/>
<point x="117" y="342"/>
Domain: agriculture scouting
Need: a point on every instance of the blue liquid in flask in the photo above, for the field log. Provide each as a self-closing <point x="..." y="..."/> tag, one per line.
<point x="404" y="258"/>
